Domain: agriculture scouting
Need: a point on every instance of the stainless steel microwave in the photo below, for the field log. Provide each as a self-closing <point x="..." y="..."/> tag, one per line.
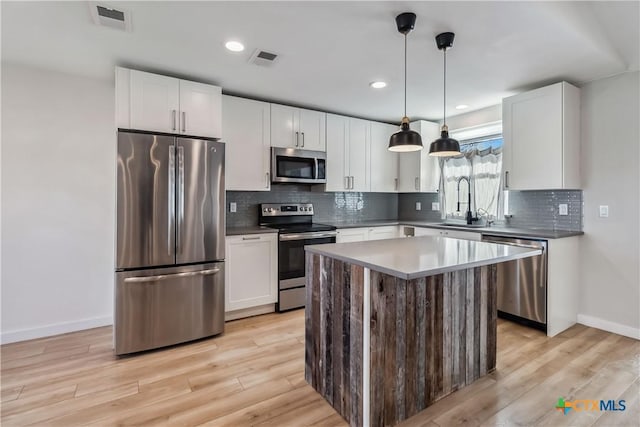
<point x="291" y="165"/>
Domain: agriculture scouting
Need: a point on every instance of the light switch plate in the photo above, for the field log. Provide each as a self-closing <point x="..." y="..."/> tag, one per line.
<point x="604" y="211"/>
<point x="233" y="207"/>
<point x="435" y="206"/>
<point x="563" y="209"/>
<point x="418" y="206"/>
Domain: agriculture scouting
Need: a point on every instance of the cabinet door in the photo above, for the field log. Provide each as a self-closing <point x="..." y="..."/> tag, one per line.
<point x="312" y="130"/>
<point x="258" y="285"/>
<point x="429" y="165"/>
<point x="409" y="176"/>
<point x="381" y="233"/>
<point x="384" y="163"/>
<point x="200" y="109"/>
<point x="423" y="231"/>
<point x="337" y="145"/>
<point x="532" y="130"/>
<point x="154" y="102"/>
<point x="246" y="133"/>
<point x="346" y="235"/>
<point x="359" y="154"/>
<point x="284" y="126"/>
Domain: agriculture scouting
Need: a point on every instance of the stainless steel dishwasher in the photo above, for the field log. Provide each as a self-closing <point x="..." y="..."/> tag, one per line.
<point x="522" y="284"/>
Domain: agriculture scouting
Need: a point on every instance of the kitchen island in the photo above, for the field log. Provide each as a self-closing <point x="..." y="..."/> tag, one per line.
<point x="392" y="326"/>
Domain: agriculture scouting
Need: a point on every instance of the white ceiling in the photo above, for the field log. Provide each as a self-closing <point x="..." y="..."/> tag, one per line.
<point x="330" y="51"/>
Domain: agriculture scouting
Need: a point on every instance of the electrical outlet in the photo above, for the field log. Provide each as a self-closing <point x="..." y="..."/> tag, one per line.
<point x="563" y="209"/>
<point x="233" y="207"/>
<point x="435" y="206"/>
<point x="418" y="206"/>
<point x="604" y="211"/>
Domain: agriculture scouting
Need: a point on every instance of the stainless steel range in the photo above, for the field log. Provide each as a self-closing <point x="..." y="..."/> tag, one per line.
<point x="296" y="230"/>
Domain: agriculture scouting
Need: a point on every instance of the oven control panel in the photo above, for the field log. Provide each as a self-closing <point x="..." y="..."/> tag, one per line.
<point x="288" y="209"/>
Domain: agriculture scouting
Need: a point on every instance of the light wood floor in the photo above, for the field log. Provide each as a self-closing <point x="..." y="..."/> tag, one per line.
<point x="254" y="374"/>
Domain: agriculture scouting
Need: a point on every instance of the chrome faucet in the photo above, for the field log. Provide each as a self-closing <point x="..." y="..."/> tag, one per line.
<point x="469" y="215"/>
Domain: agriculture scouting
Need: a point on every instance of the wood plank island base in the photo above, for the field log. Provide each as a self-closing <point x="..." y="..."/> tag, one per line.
<point x="395" y="325"/>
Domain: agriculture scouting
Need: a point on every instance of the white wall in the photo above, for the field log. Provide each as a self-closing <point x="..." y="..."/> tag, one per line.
<point x="610" y="255"/>
<point x="58" y="192"/>
<point x="475" y="118"/>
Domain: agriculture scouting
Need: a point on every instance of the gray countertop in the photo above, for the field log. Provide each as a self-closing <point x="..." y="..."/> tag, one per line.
<point x="237" y="231"/>
<point x="421" y="256"/>
<point x="495" y="231"/>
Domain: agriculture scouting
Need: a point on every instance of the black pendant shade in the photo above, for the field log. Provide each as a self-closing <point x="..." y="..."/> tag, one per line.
<point x="444" y="146"/>
<point x="405" y="140"/>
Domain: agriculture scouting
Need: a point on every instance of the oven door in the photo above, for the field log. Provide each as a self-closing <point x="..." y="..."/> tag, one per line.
<point x="298" y="166"/>
<point x="291" y="266"/>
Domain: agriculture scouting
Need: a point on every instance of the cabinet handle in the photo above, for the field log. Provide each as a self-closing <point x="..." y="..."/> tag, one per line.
<point x="416" y="183"/>
<point x="251" y="238"/>
<point x="184" y="121"/>
<point x="506" y="179"/>
<point x="395" y="183"/>
<point x="297" y="138"/>
<point x="346" y="182"/>
<point x="302" y="139"/>
<point x="352" y="183"/>
<point x="266" y="185"/>
<point x="173" y="119"/>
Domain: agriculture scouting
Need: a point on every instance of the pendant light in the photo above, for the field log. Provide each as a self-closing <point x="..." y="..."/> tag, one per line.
<point x="405" y="139"/>
<point x="444" y="146"/>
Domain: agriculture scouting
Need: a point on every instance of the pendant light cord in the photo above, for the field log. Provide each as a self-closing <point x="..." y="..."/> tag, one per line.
<point x="405" y="75"/>
<point x="444" y="97"/>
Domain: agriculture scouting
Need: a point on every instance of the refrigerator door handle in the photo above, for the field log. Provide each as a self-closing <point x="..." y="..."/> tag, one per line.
<point x="180" y="196"/>
<point x="172" y="200"/>
<point x="161" y="277"/>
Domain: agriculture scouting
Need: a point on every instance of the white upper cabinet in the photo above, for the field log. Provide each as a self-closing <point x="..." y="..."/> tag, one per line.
<point x="420" y="172"/>
<point x="152" y="102"/>
<point x="155" y="102"/>
<point x="541" y="130"/>
<point x="359" y="154"/>
<point x="246" y="133"/>
<point x="200" y="104"/>
<point x="348" y="154"/>
<point x="297" y="128"/>
<point x="384" y="163"/>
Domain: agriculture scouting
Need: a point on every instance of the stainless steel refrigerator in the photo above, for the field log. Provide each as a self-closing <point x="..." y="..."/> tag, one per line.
<point x="169" y="280"/>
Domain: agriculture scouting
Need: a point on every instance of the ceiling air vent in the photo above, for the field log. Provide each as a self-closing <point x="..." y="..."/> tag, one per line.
<point x="263" y="58"/>
<point x="107" y="16"/>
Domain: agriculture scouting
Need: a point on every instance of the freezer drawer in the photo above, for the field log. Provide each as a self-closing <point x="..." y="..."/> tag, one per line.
<point x="161" y="307"/>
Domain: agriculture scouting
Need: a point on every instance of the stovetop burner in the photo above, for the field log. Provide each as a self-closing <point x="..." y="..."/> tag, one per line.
<point x="291" y="218"/>
<point x="301" y="228"/>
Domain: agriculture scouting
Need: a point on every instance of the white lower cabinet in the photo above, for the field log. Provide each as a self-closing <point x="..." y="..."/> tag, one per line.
<point x="456" y="234"/>
<point x="362" y="234"/>
<point x="251" y="271"/>
<point x="379" y="233"/>
<point x="346" y="235"/>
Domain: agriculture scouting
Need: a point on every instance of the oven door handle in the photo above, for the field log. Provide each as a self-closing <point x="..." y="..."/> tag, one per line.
<point x="305" y="236"/>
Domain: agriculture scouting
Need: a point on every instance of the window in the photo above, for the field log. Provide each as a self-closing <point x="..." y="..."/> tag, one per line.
<point x="480" y="162"/>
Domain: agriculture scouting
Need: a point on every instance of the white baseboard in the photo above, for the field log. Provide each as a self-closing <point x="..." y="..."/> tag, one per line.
<point x="56" y="329"/>
<point x="608" y="326"/>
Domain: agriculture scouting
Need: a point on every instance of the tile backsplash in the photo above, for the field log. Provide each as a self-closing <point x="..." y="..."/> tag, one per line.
<point x="540" y="209"/>
<point x="329" y="207"/>
<point x="529" y="209"/>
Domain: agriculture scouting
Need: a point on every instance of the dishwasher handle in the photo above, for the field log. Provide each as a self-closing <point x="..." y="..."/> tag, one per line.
<point x="499" y="240"/>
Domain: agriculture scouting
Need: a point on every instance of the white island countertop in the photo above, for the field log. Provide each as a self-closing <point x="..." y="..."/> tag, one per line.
<point x="414" y="257"/>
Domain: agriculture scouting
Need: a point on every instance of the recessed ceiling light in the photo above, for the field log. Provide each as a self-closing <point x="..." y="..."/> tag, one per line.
<point x="378" y="84"/>
<point x="461" y="107"/>
<point x="234" y="46"/>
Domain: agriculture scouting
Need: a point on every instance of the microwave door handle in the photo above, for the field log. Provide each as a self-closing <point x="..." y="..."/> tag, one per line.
<point x="316" y="171"/>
